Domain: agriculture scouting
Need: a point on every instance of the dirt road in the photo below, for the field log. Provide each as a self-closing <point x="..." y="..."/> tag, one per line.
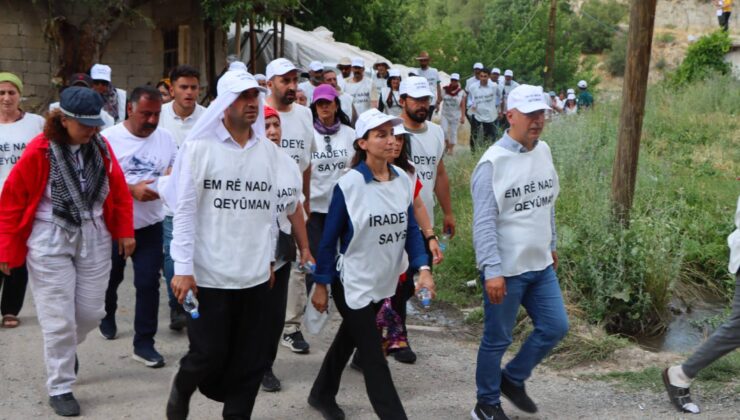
<point x="441" y="385"/>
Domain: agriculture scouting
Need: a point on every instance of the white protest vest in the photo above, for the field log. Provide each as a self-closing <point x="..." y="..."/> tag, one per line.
<point x="378" y="211"/>
<point x="526" y="187"/>
<point x="289" y="190"/>
<point x="427" y="148"/>
<point x="236" y="195"/>
<point x="328" y="164"/>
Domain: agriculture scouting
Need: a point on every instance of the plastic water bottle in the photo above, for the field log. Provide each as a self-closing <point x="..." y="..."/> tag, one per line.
<point x="191" y="305"/>
<point x="425" y="297"/>
<point x="444" y="240"/>
<point x="308" y="268"/>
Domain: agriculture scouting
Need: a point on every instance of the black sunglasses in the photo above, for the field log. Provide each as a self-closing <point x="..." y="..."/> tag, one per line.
<point x="327" y="140"/>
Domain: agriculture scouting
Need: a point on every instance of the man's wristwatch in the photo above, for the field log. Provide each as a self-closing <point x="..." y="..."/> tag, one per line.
<point x="431" y="237"/>
<point x="425" y="267"/>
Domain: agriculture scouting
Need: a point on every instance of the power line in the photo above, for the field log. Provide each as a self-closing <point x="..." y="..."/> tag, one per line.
<point x="526" y="25"/>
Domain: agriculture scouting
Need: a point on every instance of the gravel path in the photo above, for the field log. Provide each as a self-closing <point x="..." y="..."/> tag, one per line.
<point x="441" y="385"/>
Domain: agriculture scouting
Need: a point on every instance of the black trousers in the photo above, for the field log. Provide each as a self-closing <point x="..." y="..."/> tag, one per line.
<point x="228" y="348"/>
<point x="314" y="230"/>
<point x="275" y="303"/>
<point x="489" y="134"/>
<point x="431" y="112"/>
<point x="358" y="330"/>
<point x="13" y="290"/>
<point x="405" y="290"/>
<point x="724" y="21"/>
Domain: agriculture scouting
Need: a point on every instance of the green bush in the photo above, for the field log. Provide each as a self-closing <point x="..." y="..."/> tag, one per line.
<point x="665" y="38"/>
<point x="616" y="58"/>
<point x="704" y="57"/>
<point x="684" y="202"/>
<point x="597" y="24"/>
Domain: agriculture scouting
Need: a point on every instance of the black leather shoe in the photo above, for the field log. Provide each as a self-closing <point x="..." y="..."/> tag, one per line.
<point x="329" y="409"/>
<point x="517" y="395"/>
<point x="65" y="405"/>
<point x="178" y="404"/>
<point x="270" y="382"/>
<point x="405" y="356"/>
<point x="77" y="364"/>
<point x="488" y="412"/>
<point x="178" y="319"/>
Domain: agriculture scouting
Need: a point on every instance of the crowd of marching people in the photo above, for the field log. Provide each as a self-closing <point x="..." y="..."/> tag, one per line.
<point x="280" y="201"/>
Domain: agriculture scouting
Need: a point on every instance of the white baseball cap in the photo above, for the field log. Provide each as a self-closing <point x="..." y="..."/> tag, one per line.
<point x="582" y="84"/>
<point x="373" y="118"/>
<point x="571" y="91"/>
<point x="316" y="66"/>
<point x="477" y="66"/>
<point x="415" y="87"/>
<point x="394" y="73"/>
<point x="509" y="73"/>
<point x="496" y="70"/>
<point x="279" y="67"/>
<point x="399" y="129"/>
<point x="100" y="72"/>
<point x="571" y="96"/>
<point x="526" y="99"/>
<point x="259" y="77"/>
<point x="358" y="62"/>
<point x="454" y="76"/>
<point x="237" y="81"/>
<point x="238" y="65"/>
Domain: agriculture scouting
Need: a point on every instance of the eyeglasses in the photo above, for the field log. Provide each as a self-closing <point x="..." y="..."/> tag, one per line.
<point x="327" y="140"/>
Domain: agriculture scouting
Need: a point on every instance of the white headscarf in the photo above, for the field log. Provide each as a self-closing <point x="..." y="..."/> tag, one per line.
<point x="229" y="87"/>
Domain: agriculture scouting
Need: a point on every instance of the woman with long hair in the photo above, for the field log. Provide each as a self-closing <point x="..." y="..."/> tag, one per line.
<point x="62" y="204"/>
<point x="369" y="225"/>
<point x="390" y="96"/>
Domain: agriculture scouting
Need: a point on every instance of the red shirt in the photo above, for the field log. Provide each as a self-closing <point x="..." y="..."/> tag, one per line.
<point x="25" y="186"/>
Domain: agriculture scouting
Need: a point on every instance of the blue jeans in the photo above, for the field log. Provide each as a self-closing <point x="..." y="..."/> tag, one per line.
<point x="168" y="264"/>
<point x="147" y="259"/>
<point x="539" y="293"/>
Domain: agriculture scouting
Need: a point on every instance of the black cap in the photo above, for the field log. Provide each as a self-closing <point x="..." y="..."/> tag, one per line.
<point x="80" y="79"/>
<point x="83" y="104"/>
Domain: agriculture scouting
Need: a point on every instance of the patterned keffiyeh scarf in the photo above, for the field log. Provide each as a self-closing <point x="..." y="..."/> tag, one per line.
<point x="76" y="188"/>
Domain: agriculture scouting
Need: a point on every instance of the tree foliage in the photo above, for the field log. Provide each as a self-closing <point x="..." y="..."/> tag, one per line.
<point x="704" y="57"/>
<point x="597" y="24"/>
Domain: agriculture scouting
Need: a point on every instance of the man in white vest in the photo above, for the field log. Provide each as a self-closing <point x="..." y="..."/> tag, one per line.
<point x="514" y="189"/>
<point x="224" y="190"/>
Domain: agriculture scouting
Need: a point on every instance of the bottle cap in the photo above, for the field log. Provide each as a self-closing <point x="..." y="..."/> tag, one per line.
<point x="195" y="314"/>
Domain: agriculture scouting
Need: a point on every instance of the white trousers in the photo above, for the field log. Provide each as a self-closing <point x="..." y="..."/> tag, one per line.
<point x="449" y="126"/>
<point x="296" y="301"/>
<point x="68" y="274"/>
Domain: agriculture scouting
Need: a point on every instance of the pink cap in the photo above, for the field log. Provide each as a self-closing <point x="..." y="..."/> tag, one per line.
<point x="325" y="92"/>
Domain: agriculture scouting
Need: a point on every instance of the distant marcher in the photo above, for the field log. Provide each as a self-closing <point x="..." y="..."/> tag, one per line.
<point x="163" y="86"/>
<point x="345" y="66"/>
<point x="435" y="83"/>
<point x="390" y="96"/>
<point x="84" y="80"/>
<point x="571" y="105"/>
<point x="453" y="111"/>
<point x="501" y="122"/>
<point x="725" y="339"/>
<point x="315" y="78"/>
<point x="261" y="79"/>
<point x="63" y="205"/>
<point x="372" y="200"/>
<point x="330" y="77"/>
<point x="115" y="99"/>
<point x="145" y="153"/>
<point x="17" y="129"/>
<point x="359" y="86"/>
<point x="224" y="190"/>
<point x="291" y="232"/>
<point x="554" y="103"/>
<point x="477" y="67"/>
<point x="515" y="250"/>
<point x="585" y="99"/>
<point x="484" y="98"/>
<point x="301" y="98"/>
<point x="178" y="117"/>
<point x="380" y="77"/>
<point x="724" y="10"/>
<point x="506" y="86"/>
<point x="472" y="81"/>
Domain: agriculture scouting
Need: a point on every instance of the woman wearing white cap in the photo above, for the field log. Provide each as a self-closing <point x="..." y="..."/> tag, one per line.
<point x="570" y="107"/>
<point x="62" y="205"/>
<point x="453" y="111"/>
<point x="224" y="188"/>
<point x="390" y="96"/>
<point x="371" y="220"/>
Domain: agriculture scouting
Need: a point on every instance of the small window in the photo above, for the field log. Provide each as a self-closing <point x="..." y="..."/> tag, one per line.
<point x="170" y="50"/>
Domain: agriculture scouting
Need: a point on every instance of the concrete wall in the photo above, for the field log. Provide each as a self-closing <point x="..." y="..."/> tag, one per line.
<point x="135" y="52"/>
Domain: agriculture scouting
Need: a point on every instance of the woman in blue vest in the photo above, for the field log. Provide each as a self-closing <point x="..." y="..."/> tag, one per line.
<point x="371" y="218"/>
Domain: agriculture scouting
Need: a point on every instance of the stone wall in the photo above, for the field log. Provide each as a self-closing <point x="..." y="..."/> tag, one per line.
<point x="135" y="52"/>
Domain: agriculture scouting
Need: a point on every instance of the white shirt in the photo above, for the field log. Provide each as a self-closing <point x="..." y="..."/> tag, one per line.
<point x="733" y="241"/>
<point x="451" y="105"/>
<point x="427" y="148"/>
<point x="432" y="76"/>
<point x="121" y="105"/>
<point x="346" y="101"/>
<point x="297" y="127"/>
<point x="360" y="92"/>
<point x="328" y="164"/>
<point x="484" y="99"/>
<point x="307" y="88"/>
<point x="14" y="138"/>
<point x="394" y="110"/>
<point x="141" y="159"/>
<point x="221" y="258"/>
<point x="179" y="127"/>
<point x="378" y="84"/>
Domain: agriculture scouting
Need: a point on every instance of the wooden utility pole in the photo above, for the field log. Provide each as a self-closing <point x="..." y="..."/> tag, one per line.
<point x="640" y="38"/>
<point x="238" y="37"/>
<point x="252" y="44"/>
<point x="550" y="53"/>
